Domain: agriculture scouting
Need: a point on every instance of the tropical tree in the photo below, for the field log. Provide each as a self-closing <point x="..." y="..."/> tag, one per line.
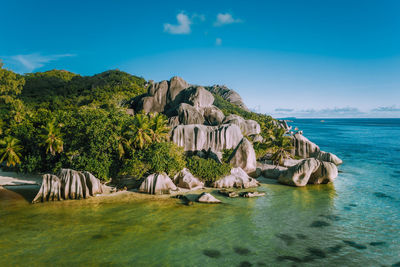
<point x="52" y="138"/>
<point x="10" y="151"/>
<point x="159" y="128"/>
<point x="140" y="132"/>
<point x="282" y="148"/>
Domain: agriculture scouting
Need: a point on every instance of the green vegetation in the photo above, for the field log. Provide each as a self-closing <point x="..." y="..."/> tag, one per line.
<point x="58" y="119"/>
<point x="207" y="170"/>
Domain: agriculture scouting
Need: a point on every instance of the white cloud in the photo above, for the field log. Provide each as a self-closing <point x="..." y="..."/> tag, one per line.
<point x="218" y="41"/>
<point x="224" y="19"/>
<point x="183" y="26"/>
<point x="30" y="62"/>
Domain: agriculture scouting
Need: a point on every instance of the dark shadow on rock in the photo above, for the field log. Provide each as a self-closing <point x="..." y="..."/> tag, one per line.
<point x="241" y="251"/>
<point x="354" y="244"/>
<point x="212" y="253"/>
<point x="377" y="243"/>
<point x="245" y="264"/>
<point x="288" y="239"/>
<point x="319" y="224"/>
<point x="382" y="195"/>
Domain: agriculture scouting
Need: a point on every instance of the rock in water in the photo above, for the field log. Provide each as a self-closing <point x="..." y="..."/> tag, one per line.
<point x="228" y="193"/>
<point x="208" y="198"/>
<point x="185" y="179"/>
<point x="196" y="137"/>
<point x="252" y="194"/>
<point x="248" y="127"/>
<point x="244" y="156"/>
<point x="329" y="157"/>
<point x="309" y="171"/>
<point x="157" y="184"/>
<point x="69" y="184"/>
<point x="238" y="178"/>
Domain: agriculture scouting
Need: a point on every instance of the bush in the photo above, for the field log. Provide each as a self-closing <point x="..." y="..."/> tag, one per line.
<point x="226" y="154"/>
<point x="164" y="157"/>
<point x="207" y="170"/>
<point x="134" y="167"/>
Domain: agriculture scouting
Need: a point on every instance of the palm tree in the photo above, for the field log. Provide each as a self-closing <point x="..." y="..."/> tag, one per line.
<point x="159" y="127"/>
<point x="124" y="143"/>
<point x="52" y="138"/>
<point x="140" y="131"/>
<point x="10" y="151"/>
<point x="281" y="149"/>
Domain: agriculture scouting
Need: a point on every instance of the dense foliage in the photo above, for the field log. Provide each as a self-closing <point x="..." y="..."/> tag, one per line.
<point x="207" y="170"/>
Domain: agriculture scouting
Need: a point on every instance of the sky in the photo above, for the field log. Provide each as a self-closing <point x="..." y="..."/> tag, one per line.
<point x="285" y="58"/>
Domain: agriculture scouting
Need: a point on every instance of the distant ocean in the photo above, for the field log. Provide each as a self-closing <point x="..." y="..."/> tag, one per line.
<point x="353" y="222"/>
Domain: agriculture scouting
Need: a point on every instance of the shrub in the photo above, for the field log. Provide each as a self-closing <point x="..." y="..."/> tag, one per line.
<point x="134" y="167"/>
<point x="207" y="170"/>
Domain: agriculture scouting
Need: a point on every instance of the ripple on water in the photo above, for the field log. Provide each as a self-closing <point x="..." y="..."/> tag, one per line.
<point x="354" y="244"/>
<point x="319" y="224"/>
<point x="212" y="253"/>
<point x="241" y="251"/>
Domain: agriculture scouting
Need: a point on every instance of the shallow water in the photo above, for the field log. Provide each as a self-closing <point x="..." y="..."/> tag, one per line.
<point x="353" y="222"/>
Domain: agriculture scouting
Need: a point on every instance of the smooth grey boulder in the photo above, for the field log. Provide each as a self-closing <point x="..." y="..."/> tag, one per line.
<point x="198" y="97"/>
<point x="188" y="114"/>
<point x="208" y="198"/>
<point x="229" y="95"/>
<point x="244" y="156"/>
<point x="196" y="137"/>
<point x="271" y="171"/>
<point x="248" y="127"/>
<point x="304" y="148"/>
<point x="213" y="115"/>
<point x="238" y="178"/>
<point x="173" y="121"/>
<point x="68" y="184"/>
<point x="309" y="171"/>
<point x="328" y="157"/>
<point x="228" y="193"/>
<point x="157" y="184"/>
<point x="185" y="179"/>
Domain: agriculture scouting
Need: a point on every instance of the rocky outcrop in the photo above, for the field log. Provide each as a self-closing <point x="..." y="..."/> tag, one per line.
<point x="157" y="184"/>
<point x="271" y="171"/>
<point x="198" y="97"/>
<point x="304" y="148"/>
<point x="68" y="184"/>
<point x="213" y="116"/>
<point x="185" y="179"/>
<point x="208" y="198"/>
<point x="229" y="95"/>
<point x="238" y="178"/>
<point x="248" y="127"/>
<point x="196" y="137"/>
<point x="188" y="114"/>
<point x="244" y="156"/>
<point x="309" y="171"/>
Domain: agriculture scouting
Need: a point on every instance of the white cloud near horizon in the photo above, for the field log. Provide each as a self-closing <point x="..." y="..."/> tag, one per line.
<point x="183" y="26"/>
<point x="30" y="62"/>
<point x="225" y="19"/>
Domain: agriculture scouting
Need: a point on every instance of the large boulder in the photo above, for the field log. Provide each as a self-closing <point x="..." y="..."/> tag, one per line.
<point x="196" y="137"/>
<point x="248" y="127"/>
<point x="229" y="95"/>
<point x="198" y="97"/>
<point x="185" y="179"/>
<point x="68" y="184"/>
<point x="213" y="115"/>
<point x="244" y="156"/>
<point x="157" y="184"/>
<point x="270" y="171"/>
<point x="309" y="171"/>
<point x="328" y="157"/>
<point x="188" y="114"/>
<point x="238" y="178"/>
<point x="208" y="198"/>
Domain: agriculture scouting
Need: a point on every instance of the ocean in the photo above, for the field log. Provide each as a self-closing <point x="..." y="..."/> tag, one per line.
<point x="353" y="222"/>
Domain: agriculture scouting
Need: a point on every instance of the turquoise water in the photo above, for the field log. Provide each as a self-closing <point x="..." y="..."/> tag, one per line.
<point x="353" y="222"/>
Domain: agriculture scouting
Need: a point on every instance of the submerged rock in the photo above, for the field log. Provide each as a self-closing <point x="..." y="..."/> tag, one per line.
<point x="185" y="179"/>
<point x="157" y="184"/>
<point x="252" y="194"/>
<point x="196" y="137"/>
<point x="227" y="193"/>
<point x="208" y="198"/>
<point x="68" y="184"/>
<point x="238" y="178"/>
<point x="244" y="156"/>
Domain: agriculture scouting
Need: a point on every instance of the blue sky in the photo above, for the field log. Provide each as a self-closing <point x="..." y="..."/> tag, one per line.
<point x="285" y="58"/>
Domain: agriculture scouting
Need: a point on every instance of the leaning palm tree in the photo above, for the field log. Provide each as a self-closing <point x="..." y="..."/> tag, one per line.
<point x="159" y="127"/>
<point x="140" y="131"/>
<point x="10" y="151"/>
<point x="282" y="149"/>
<point x="52" y="138"/>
